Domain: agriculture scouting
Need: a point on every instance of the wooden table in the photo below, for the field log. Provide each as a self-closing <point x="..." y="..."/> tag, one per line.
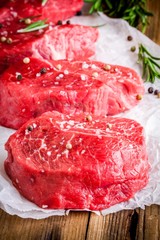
<point x="132" y="224"/>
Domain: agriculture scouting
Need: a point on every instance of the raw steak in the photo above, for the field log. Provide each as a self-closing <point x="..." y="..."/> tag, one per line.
<point x="53" y="10"/>
<point x="79" y="162"/>
<point x="65" y="86"/>
<point x="65" y="41"/>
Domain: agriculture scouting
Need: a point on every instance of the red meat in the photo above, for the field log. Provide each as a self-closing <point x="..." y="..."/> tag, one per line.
<point x="57" y="42"/>
<point x="63" y="162"/>
<point x="67" y="87"/>
<point x="53" y="10"/>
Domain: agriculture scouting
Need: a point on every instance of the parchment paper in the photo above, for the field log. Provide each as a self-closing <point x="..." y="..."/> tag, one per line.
<point x="112" y="47"/>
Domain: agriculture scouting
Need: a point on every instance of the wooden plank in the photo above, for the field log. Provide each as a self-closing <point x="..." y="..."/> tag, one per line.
<point x="153" y="29"/>
<point x="69" y="227"/>
<point x="152" y="223"/>
<point x="114" y="226"/>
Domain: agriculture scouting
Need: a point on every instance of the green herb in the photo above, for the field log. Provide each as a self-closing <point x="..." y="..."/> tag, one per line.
<point x="34" y="26"/>
<point x="44" y="2"/>
<point x="151" y="69"/>
<point x="133" y="11"/>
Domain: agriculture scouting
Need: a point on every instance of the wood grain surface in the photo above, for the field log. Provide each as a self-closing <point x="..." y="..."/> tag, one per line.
<point x="124" y="225"/>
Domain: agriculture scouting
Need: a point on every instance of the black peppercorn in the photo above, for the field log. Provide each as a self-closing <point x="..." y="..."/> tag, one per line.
<point x="43" y="70"/>
<point x="68" y="22"/>
<point x="150" y="90"/>
<point x="59" y="22"/>
<point x="129" y="38"/>
<point x="19" y="77"/>
<point x="156" y="92"/>
<point x="29" y="128"/>
<point x="79" y="13"/>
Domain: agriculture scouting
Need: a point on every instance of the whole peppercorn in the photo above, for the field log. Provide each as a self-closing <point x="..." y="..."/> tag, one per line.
<point x="133" y="49"/>
<point x="59" y="22"/>
<point x="150" y="90"/>
<point x="129" y="38"/>
<point x="156" y="92"/>
<point x="43" y="70"/>
<point x="68" y="22"/>
<point x="79" y="13"/>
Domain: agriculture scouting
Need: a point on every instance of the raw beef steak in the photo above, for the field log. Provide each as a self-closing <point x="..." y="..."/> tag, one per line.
<point x="79" y="162"/>
<point x="53" y="10"/>
<point x="28" y="90"/>
<point x="65" y="41"/>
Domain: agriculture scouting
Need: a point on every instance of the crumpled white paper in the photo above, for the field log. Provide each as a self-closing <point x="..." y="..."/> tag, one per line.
<point x="112" y="47"/>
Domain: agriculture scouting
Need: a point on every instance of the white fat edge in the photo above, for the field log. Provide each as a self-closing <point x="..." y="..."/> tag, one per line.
<point x="85" y="65"/>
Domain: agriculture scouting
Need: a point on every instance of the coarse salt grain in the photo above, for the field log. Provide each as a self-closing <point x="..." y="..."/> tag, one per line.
<point x="44" y="206"/>
<point x="83" y="77"/>
<point x="66" y="72"/>
<point x="38" y="74"/>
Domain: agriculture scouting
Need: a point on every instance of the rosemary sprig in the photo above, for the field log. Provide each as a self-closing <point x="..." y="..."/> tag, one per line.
<point x="34" y="26"/>
<point x="151" y="69"/>
<point x="44" y="2"/>
<point x="133" y="11"/>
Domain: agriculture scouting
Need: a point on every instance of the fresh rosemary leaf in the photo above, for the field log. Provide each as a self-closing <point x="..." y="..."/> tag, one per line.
<point x="133" y="11"/>
<point x="34" y="26"/>
<point x="151" y="69"/>
<point x="44" y="2"/>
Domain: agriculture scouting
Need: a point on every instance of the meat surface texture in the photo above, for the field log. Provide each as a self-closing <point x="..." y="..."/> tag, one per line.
<point x="53" y="10"/>
<point x="81" y="162"/>
<point x="58" y="42"/>
<point x="48" y="40"/>
<point x="28" y="90"/>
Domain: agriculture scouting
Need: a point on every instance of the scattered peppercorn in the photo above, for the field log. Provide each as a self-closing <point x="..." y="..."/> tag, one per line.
<point x="156" y="92"/>
<point x="68" y="22"/>
<point x="133" y="49"/>
<point x="129" y="38"/>
<point x="150" y="89"/>
<point x="3" y="39"/>
<point x="9" y="40"/>
<point x="43" y="70"/>
<point x="79" y="13"/>
<point x="29" y="128"/>
<point x="89" y="118"/>
<point x="107" y="67"/>
<point x="139" y="97"/>
<point x="59" y="22"/>
<point x="19" y="77"/>
<point x="27" y="21"/>
<point x="69" y="146"/>
<point x="26" y="60"/>
<point x="109" y="125"/>
<point x="95" y="74"/>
